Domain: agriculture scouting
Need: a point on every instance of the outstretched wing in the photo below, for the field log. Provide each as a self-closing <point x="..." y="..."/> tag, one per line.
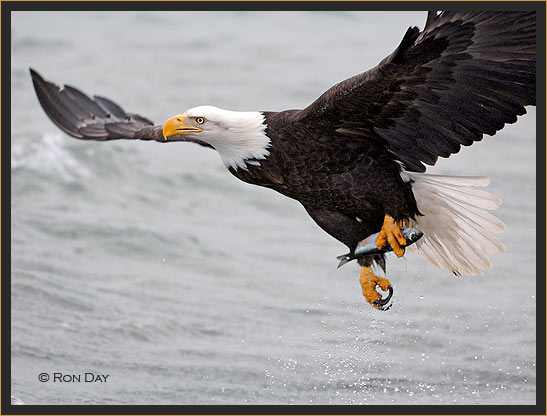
<point x="467" y="74"/>
<point x="98" y="119"/>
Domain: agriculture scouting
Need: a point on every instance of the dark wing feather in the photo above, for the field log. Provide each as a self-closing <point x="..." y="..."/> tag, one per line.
<point x="98" y="119"/>
<point x="467" y="74"/>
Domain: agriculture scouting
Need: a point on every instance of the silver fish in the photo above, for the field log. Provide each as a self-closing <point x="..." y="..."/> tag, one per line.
<point x="368" y="247"/>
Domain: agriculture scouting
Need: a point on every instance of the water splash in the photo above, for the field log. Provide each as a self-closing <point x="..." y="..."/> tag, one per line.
<point x="48" y="155"/>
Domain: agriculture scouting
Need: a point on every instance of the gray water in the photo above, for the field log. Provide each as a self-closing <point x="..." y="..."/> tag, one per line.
<point x="151" y="264"/>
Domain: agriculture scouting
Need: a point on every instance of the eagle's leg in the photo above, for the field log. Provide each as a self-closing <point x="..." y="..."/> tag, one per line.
<point x="369" y="281"/>
<point x="391" y="233"/>
<point x="349" y="230"/>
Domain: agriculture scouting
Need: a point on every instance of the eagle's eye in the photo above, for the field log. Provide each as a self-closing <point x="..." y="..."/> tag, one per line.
<point x="200" y="120"/>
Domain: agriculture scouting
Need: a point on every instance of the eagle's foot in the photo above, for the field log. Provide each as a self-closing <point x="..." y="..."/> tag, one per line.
<point x="369" y="281"/>
<point x="391" y="233"/>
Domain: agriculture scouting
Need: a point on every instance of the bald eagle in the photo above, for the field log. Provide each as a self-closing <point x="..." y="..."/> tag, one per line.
<point x="354" y="158"/>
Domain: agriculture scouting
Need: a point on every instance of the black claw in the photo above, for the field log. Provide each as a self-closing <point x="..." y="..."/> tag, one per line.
<point x="383" y="303"/>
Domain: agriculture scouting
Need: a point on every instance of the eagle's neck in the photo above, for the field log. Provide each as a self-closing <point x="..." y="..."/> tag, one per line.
<point x="239" y="137"/>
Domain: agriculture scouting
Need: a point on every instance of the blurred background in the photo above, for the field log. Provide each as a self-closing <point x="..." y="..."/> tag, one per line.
<point x="152" y="264"/>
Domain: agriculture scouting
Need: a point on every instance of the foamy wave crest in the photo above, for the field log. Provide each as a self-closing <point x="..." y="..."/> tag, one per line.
<point x="48" y="156"/>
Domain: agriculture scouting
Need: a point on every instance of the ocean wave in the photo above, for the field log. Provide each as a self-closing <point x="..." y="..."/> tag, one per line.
<point x="48" y="155"/>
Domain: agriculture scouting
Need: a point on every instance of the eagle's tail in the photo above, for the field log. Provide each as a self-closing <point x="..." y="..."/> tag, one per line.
<point x="456" y="223"/>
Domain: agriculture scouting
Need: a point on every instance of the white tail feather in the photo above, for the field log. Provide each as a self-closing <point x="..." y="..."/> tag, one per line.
<point x="456" y="223"/>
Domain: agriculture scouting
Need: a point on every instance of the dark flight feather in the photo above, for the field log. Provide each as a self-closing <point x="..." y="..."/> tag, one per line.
<point x="95" y="119"/>
<point x="466" y="74"/>
<point x="87" y="119"/>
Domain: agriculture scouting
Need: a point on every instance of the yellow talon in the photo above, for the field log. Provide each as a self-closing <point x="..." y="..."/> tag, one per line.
<point x="368" y="282"/>
<point x="391" y="233"/>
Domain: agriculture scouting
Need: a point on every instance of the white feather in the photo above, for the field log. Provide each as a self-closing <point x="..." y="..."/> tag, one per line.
<point x="456" y="223"/>
<point x="238" y="136"/>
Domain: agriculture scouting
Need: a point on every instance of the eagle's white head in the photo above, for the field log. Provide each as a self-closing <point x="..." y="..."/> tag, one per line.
<point x="239" y="137"/>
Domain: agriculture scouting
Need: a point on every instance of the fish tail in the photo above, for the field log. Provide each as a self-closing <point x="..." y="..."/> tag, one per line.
<point x="344" y="258"/>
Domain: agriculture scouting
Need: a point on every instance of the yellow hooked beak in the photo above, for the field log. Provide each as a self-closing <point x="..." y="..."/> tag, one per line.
<point x="176" y="126"/>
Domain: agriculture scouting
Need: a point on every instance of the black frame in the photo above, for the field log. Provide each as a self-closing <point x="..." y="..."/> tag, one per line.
<point x="7" y="408"/>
